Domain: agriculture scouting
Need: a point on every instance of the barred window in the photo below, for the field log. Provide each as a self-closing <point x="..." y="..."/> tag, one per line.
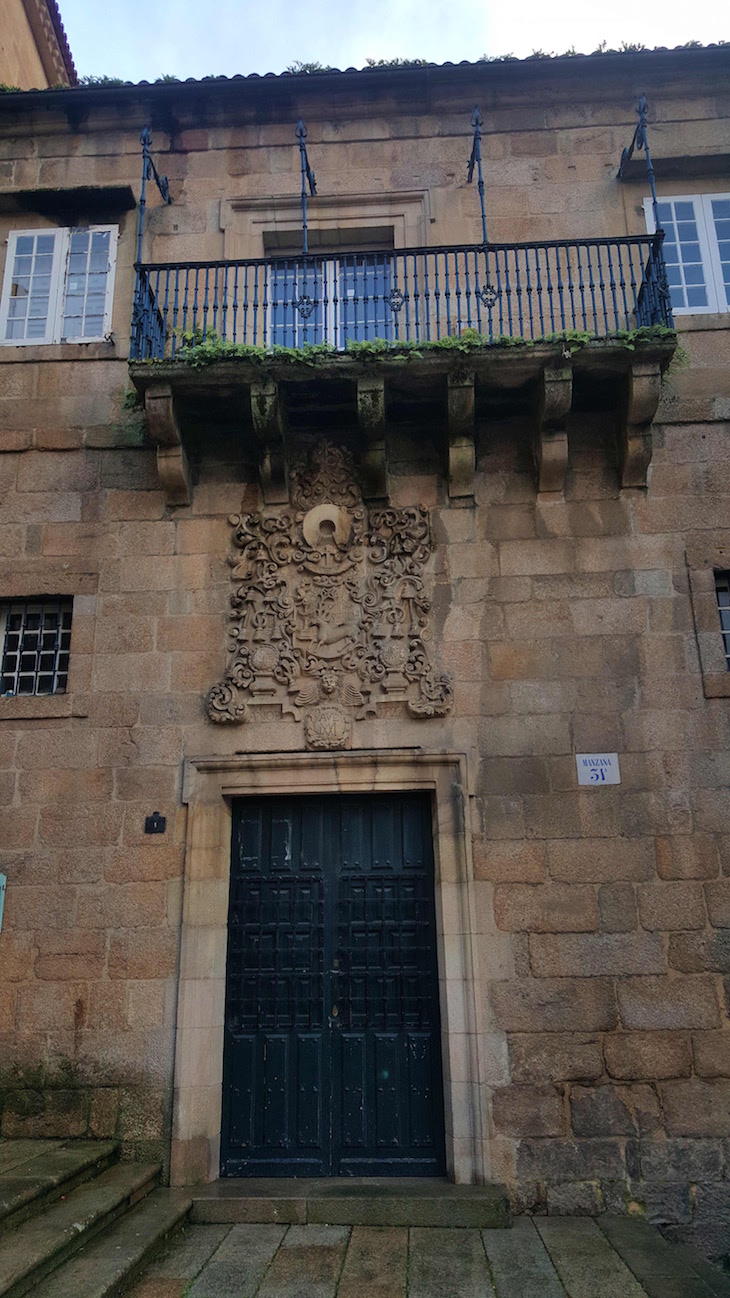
<point x="35" y="635"/>
<point x="722" y="590"/>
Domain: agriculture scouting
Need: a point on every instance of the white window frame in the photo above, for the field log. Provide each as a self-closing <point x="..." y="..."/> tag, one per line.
<point x="61" y="250"/>
<point x="717" y="298"/>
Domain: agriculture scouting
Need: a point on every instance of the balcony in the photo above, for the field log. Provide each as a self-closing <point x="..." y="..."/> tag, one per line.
<point x="443" y="337"/>
<point x="414" y="297"/>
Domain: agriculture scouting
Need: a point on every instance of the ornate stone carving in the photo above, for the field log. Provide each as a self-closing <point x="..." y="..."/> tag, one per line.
<point x="329" y="616"/>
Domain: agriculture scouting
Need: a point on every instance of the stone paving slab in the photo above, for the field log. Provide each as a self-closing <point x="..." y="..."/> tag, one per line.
<point x="542" y="1257"/>
<point x="520" y="1263"/>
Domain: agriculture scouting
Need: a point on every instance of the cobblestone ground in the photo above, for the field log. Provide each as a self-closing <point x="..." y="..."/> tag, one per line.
<point x="548" y="1257"/>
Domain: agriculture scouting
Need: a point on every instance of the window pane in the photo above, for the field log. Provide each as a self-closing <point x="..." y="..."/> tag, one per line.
<point x="686" y="272"/>
<point x="696" y="297"/>
<point x="30" y="287"/>
<point x="86" y="281"/>
<point x="721" y="208"/>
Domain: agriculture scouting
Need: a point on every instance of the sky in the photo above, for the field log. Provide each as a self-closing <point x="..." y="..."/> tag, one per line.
<point x="144" y="39"/>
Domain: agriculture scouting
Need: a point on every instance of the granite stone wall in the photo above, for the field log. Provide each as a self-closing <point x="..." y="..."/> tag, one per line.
<point x="567" y="622"/>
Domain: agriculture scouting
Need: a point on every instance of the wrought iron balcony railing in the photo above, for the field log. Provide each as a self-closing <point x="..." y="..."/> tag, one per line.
<point x="415" y="295"/>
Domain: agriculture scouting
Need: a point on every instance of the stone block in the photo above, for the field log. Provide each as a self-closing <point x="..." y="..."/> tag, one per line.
<point x="553" y="1161"/>
<point x="700" y="952"/>
<point x="545" y="908"/>
<point x="696" y="1108"/>
<point x="717" y="897"/>
<point x="617" y="907"/>
<point x="680" y="1161"/>
<point x="103" y="1113"/>
<point x="536" y="1057"/>
<point x="711" y="1052"/>
<point x="647" y="1056"/>
<point x="555" y="1005"/>
<point x="575" y="1199"/>
<point x="46" y="1115"/>
<point x="671" y="906"/>
<point x="509" y="862"/>
<point x="70" y="954"/>
<point x="143" y="953"/>
<point x="667" y="1005"/>
<point x="595" y="954"/>
<point x="528" y="1111"/>
<point x="601" y="859"/>
<point x="600" y="1111"/>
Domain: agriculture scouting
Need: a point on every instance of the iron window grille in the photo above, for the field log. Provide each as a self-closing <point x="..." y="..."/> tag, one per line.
<point x="35" y="638"/>
<point x="722" y="590"/>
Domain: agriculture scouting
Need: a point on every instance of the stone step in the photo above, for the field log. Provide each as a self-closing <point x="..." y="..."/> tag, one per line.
<point x="39" y="1245"/>
<point x="109" y="1264"/>
<point x="39" y="1172"/>
<point x="376" y="1201"/>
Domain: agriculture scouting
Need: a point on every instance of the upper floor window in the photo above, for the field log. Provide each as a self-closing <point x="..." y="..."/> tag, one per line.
<point x="35" y="640"/>
<point x="722" y="591"/>
<point x="58" y="285"/>
<point x="696" y="250"/>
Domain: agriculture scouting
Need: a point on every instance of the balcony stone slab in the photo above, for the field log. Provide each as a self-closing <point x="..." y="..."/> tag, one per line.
<point x="624" y="374"/>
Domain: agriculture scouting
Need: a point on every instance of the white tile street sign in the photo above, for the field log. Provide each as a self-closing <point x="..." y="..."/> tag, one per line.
<point x="598" y="768"/>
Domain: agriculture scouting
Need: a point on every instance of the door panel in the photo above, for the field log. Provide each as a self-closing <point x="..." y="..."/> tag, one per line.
<point x="332" y="1061"/>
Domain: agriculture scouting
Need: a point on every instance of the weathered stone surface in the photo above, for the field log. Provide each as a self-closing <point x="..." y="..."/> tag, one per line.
<point x="696" y="1108"/>
<point x="595" y="954"/>
<point x="528" y="1111"/>
<point x="667" y="906"/>
<point x="647" y="1055"/>
<point x="700" y="952"/>
<point x="663" y="1005"/>
<point x="545" y="908"/>
<point x="554" y="1057"/>
<point x="711" y="1051"/>
<point x="555" y="1005"/>
<point x="600" y="1111"/>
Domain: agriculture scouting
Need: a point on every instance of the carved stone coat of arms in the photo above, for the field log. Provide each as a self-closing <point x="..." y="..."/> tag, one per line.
<point x="329" y="615"/>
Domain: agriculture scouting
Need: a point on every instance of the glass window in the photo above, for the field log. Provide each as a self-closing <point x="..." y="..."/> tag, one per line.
<point x="722" y="590"/>
<point x="35" y="638"/>
<point x="332" y="300"/>
<point x="696" y="250"/>
<point x="58" y="285"/>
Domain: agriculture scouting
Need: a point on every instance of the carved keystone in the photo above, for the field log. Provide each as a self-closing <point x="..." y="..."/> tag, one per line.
<point x="641" y="398"/>
<point x="551" y="440"/>
<point x="371" y="418"/>
<point x="462" y="455"/>
<point x="172" y="461"/>
<point x="269" y="424"/>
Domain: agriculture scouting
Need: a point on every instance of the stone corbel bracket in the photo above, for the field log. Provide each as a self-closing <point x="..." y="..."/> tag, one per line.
<point x="555" y="396"/>
<point x="374" y="455"/>
<point x="269" y="423"/>
<point x="462" y="453"/>
<point x="641" y="398"/>
<point x="172" y="462"/>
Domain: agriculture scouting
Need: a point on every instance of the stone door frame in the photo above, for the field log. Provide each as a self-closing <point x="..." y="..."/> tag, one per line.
<point x="210" y="785"/>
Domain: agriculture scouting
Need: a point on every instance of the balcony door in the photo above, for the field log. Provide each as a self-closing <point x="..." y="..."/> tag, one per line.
<point x="330" y="299"/>
<point x="332" y="1061"/>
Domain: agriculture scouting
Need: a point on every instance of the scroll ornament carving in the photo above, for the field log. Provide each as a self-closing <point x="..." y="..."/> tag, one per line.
<point x="329" y="616"/>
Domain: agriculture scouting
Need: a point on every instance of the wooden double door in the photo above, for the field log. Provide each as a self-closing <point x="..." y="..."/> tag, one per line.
<point x="332" y="1062"/>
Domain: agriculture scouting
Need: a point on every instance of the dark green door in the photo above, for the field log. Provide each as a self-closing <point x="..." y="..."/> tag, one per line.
<point x="332" y="1063"/>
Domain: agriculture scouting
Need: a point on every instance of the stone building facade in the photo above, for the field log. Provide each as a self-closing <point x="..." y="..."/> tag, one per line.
<point x="34" y="52"/>
<point x="243" y="544"/>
